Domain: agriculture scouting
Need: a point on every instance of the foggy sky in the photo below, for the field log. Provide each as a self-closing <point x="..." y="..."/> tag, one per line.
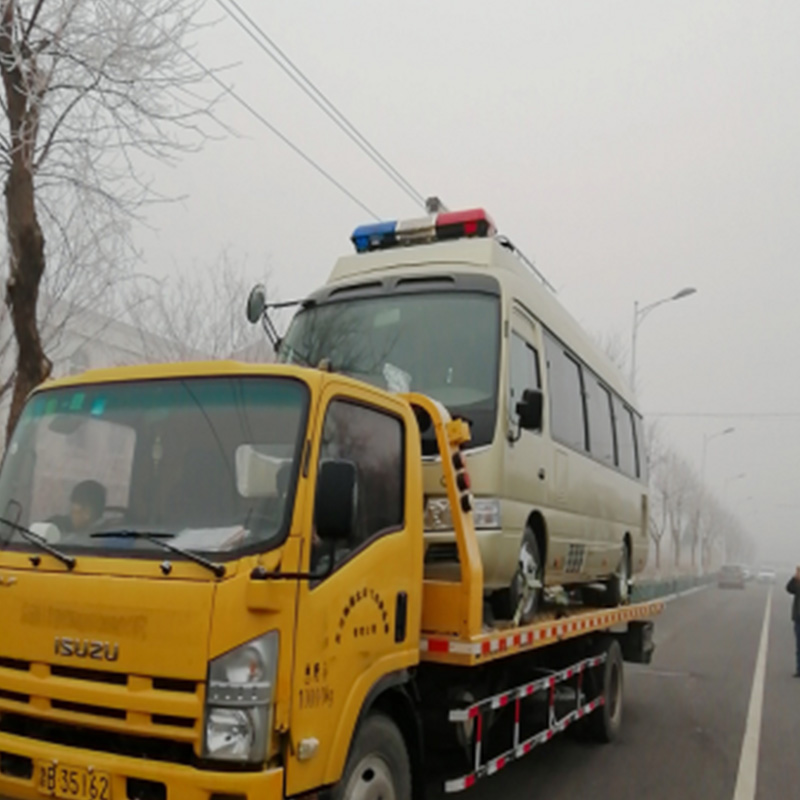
<point x="630" y="148"/>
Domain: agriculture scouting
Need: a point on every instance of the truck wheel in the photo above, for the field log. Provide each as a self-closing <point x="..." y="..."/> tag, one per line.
<point x="603" y="724"/>
<point x="524" y="595"/>
<point x="378" y="767"/>
<point x="618" y="590"/>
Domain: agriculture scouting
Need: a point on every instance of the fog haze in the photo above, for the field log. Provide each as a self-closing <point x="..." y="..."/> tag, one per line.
<point x="629" y="148"/>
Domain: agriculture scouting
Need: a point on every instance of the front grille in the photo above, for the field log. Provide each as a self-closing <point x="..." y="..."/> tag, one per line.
<point x="15" y="663"/>
<point x="14" y="697"/>
<point x="83" y="708"/>
<point x="159" y="718"/>
<point x="151" y="748"/>
<point x="93" y="675"/>
<point x="174" y="685"/>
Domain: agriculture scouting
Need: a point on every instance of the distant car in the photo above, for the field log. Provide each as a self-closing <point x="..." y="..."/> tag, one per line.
<point x="766" y="576"/>
<point x="731" y="576"/>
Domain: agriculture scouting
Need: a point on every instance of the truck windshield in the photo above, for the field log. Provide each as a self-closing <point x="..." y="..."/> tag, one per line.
<point x="208" y="463"/>
<point x="442" y="344"/>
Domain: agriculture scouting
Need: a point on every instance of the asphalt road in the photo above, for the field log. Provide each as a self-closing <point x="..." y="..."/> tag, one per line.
<point x="686" y="714"/>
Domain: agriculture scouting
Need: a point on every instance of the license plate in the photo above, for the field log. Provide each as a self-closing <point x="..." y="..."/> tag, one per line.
<point x="72" y="783"/>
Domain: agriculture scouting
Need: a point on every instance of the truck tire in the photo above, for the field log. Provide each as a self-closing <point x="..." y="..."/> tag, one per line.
<point x="530" y="568"/>
<point x="378" y="766"/>
<point x="603" y="724"/>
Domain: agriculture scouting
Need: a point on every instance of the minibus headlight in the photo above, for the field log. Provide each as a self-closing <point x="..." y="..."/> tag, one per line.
<point x="437" y="514"/>
<point x="239" y="701"/>
<point x="485" y="514"/>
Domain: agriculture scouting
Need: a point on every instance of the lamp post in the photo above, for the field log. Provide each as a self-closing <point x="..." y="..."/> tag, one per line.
<point x="638" y="317"/>
<point x="706" y="439"/>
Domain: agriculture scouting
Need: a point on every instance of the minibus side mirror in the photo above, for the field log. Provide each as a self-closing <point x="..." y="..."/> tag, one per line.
<point x="335" y="508"/>
<point x="529" y="410"/>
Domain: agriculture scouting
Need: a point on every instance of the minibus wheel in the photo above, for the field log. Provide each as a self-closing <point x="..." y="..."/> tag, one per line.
<point x="524" y="595"/>
<point x="619" y="586"/>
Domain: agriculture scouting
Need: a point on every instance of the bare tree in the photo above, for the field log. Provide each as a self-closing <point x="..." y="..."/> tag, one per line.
<point x="88" y="87"/>
<point x="198" y="317"/>
<point x="614" y="346"/>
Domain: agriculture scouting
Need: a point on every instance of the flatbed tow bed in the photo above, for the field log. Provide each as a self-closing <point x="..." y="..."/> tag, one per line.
<point x="572" y="653"/>
<point x="549" y="628"/>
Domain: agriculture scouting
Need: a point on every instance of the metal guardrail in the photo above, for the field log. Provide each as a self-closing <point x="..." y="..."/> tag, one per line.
<point x="662" y="587"/>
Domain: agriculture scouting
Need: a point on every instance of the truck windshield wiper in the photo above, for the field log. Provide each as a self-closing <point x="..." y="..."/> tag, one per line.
<point x="157" y="538"/>
<point x="40" y="542"/>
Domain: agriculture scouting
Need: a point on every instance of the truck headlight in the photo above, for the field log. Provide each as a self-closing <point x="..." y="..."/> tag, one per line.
<point x="485" y="514"/>
<point x="239" y="701"/>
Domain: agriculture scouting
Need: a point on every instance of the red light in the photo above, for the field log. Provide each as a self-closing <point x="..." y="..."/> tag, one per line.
<point x="458" y="224"/>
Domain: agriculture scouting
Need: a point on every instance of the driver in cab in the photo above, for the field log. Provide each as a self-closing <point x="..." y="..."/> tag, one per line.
<point x="87" y="504"/>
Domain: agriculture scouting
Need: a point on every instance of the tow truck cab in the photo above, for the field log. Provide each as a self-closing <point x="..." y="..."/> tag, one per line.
<point x="236" y="663"/>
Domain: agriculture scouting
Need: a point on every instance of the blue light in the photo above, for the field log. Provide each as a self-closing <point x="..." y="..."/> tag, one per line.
<point x="374" y="236"/>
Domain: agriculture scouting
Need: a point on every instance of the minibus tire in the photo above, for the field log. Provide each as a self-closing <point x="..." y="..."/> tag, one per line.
<point x="378" y="761"/>
<point x="505" y="601"/>
<point x="618" y="591"/>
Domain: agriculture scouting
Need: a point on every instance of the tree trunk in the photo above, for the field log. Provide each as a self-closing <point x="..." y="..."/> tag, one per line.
<point x="26" y="267"/>
<point x="23" y="232"/>
<point x="658" y="553"/>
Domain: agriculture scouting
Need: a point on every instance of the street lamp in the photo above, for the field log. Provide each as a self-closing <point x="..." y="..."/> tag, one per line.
<point x="640" y="313"/>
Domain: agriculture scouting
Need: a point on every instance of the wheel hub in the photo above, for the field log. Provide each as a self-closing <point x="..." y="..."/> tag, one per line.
<point x="528" y="577"/>
<point x="371" y="780"/>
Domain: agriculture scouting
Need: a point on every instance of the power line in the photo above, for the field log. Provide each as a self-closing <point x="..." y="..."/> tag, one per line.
<point x="285" y="139"/>
<point x="268" y="46"/>
<point x="726" y="415"/>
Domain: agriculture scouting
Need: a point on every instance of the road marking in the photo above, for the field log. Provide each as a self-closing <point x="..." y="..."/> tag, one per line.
<point x="748" y="760"/>
<point x="685" y="593"/>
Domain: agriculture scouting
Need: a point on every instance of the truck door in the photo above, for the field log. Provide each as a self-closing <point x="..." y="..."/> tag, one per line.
<point x="358" y="626"/>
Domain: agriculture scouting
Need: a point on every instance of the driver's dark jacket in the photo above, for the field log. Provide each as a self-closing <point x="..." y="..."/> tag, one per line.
<point x="793" y="587"/>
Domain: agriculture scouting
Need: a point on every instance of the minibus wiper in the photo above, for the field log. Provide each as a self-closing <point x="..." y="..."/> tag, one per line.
<point x="157" y="538"/>
<point x="40" y="542"/>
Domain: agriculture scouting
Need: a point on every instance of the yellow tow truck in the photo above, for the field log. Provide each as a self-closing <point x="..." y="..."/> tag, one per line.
<point x="213" y="588"/>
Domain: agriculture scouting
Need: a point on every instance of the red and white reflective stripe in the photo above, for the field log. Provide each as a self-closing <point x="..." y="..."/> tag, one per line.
<point x="502" y="700"/>
<point x="459" y="784"/>
<point x="525" y="690"/>
<point x="496" y="764"/>
<point x="478" y="743"/>
<point x="536" y="633"/>
<point x="450" y="646"/>
<point x="519" y="750"/>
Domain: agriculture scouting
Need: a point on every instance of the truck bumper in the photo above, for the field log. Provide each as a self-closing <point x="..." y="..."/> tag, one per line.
<point x="130" y="778"/>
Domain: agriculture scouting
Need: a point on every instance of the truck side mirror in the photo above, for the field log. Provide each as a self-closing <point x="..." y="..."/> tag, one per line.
<point x="335" y="507"/>
<point x="529" y="410"/>
<point x="256" y="303"/>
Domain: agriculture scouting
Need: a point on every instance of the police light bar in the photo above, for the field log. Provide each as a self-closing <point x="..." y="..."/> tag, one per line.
<point x="435" y="228"/>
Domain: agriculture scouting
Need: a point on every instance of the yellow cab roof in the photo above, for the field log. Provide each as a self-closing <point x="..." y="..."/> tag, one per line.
<point x="181" y="369"/>
<point x="312" y="377"/>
